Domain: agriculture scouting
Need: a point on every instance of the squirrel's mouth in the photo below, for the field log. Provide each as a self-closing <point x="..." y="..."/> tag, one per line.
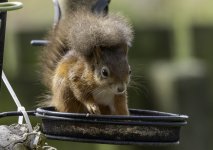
<point x="119" y="93"/>
<point x="119" y="88"/>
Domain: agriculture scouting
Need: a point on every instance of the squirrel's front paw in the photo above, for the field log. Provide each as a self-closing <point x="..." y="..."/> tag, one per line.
<point x="93" y="109"/>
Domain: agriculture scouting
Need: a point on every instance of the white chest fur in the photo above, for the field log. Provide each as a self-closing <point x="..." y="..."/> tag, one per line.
<point x="104" y="97"/>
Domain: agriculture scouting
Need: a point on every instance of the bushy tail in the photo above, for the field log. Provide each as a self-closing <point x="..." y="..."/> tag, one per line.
<point x="52" y="54"/>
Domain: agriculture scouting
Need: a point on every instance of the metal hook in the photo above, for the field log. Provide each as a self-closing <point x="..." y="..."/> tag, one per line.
<point x="101" y="7"/>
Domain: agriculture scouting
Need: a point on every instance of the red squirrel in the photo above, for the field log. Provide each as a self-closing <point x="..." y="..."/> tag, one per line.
<point x="85" y="65"/>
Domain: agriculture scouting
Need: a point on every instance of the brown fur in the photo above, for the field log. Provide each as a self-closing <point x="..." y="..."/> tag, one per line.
<point x="77" y="52"/>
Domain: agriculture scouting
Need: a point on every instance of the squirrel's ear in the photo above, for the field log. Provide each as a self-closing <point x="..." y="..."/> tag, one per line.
<point x="97" y="54"/>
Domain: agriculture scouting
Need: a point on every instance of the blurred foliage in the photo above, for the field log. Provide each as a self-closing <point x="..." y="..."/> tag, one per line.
<point x="171" y="59"/>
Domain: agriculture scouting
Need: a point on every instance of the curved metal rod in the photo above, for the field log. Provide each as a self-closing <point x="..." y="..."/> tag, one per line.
<point x="57" y="12"/>
<point x="9" y="6"/>
<point x="57" y="16"/>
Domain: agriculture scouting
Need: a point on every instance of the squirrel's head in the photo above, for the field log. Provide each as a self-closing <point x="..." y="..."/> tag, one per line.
<point x="111" y="68"/>
<point x="105" y="40"/>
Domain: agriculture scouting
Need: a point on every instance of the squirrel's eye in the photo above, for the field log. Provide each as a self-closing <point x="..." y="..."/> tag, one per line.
<point x="104" y="72"/>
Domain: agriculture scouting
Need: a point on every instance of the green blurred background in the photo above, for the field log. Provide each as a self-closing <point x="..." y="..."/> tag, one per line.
<point x="171" y="59"/>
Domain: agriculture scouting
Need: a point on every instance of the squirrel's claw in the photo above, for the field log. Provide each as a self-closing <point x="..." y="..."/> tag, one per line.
<point x="93" y="109"/>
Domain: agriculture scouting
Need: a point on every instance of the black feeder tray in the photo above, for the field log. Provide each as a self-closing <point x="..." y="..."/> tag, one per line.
<point x="141" y="127"/>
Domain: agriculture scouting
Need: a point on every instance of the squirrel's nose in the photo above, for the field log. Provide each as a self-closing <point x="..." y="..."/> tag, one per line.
<point x="120" y="89"/>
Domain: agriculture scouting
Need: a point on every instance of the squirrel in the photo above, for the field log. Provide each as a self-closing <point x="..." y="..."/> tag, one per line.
<point x="85" y="65"/>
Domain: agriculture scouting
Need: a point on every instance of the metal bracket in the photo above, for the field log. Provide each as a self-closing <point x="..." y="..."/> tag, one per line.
<point x="100" y="7"/>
